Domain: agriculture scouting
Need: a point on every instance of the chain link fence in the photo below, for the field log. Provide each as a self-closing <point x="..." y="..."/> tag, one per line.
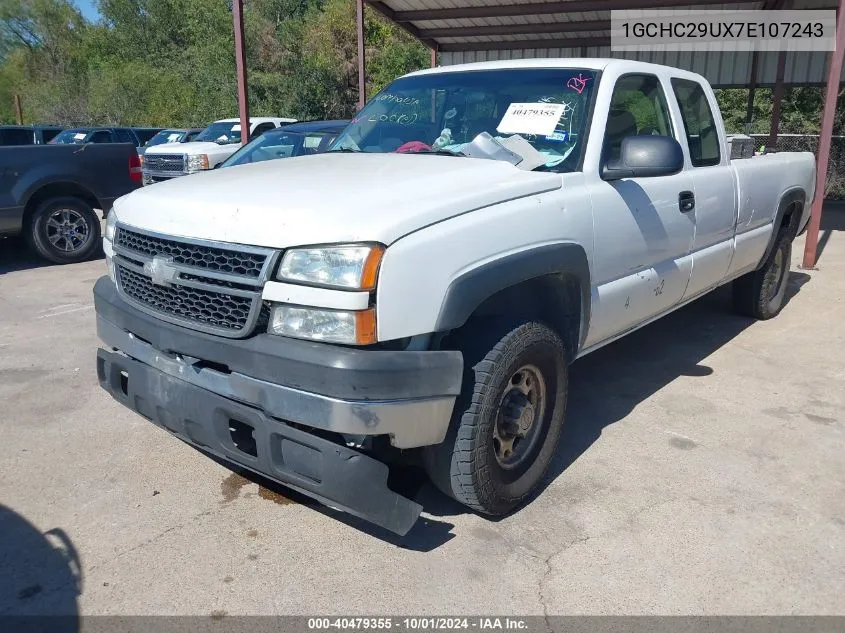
<point x="835" y="184"/>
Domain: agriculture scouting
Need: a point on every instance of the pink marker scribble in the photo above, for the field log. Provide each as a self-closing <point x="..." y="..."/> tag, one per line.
<point x="578" y="83"/>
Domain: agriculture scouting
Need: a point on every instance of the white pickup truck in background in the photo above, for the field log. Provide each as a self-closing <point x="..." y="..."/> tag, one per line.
<point x="211" y="146"/>
<point x="419" y="291"/>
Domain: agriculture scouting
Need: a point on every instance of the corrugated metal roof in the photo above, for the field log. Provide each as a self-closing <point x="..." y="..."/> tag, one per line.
<point x="723" y="70"/>
<point x="517" y="34"/>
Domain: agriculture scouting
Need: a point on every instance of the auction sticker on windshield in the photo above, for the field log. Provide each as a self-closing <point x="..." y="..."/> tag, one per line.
<point x="531" y="118"/>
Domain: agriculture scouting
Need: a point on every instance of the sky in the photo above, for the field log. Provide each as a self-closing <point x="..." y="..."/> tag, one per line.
<point x="88" y="8"/>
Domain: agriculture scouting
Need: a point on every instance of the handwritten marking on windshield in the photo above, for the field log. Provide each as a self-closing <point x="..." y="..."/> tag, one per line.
<point x="578" y="84"/>
<point x="398" y="99"/>
<point x="400" y="119"/>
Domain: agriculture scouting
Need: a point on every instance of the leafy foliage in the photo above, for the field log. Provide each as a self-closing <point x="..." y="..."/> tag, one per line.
<point x="171" y="62"/>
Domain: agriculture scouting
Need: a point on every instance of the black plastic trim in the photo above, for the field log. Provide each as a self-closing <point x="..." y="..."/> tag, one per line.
<point x="328" y="472"/>
<point x="330" y="370"/>
<point x="788" y="198"/>
<point x="471" y="289"/>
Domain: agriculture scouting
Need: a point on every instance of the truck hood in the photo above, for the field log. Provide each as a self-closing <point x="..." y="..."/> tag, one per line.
<point x="326" y="198"/>
<point x="195" y="147"/>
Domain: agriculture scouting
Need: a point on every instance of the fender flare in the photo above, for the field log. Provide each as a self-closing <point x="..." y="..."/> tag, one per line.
<point x="787" y="199"/>
<point x="470" y="289"/>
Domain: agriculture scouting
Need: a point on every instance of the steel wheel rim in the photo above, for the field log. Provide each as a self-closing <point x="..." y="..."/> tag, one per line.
<point x="519" y="417"/>
<point x="67" y="230"/>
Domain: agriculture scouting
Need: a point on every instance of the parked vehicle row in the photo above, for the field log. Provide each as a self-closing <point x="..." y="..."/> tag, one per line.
<point x="295" y="139"/>
<point x="420" y="289"/>
<point x="208" y="149"/>
<point x="48" y="194"/>
<point x="27" y="134"/>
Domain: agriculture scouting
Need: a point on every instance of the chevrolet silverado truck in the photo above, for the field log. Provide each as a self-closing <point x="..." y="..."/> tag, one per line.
<point x="419" y="291"/>
<point x="211" y="146"/>
<point x="48" y="194"/>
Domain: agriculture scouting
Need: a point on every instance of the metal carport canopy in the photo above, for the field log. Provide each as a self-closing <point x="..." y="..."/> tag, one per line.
<point x="481" y="30"/>
<point x="459" y="31"/>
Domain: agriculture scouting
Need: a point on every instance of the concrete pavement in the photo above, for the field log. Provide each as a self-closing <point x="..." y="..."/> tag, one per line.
<point x="701" y="471"/>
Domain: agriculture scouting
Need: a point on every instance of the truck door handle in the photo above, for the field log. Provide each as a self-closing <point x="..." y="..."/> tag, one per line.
<point x="686" y="201"/>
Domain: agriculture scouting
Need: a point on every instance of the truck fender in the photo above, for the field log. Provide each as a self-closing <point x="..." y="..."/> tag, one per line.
<point x="470" y="289"/>
<point x="787" y="199"/>
<point x="45" y="175"/>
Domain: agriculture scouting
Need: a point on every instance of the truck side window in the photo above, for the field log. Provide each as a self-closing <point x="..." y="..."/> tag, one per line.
<point x="125" y="136"/>
<point x="261" y="128"/>
<point x="637" y="107"/>
<point x="101" y="136"/>
<point x="702" y="136"/>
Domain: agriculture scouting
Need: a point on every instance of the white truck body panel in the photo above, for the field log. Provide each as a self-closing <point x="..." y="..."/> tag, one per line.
<point x="294" y="316"/>
<point x="442" y="217"/>
<point x="327" y="198"/>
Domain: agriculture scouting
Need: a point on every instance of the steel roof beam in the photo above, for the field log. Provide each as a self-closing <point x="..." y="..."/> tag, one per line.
<point x="520" y="44"/>
<point x="544" y="8"/>
<point x="518" y="29"/>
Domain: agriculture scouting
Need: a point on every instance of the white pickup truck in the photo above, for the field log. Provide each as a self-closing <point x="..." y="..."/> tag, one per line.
<point x="211" y="146"/>
<point x="420" y="290"/>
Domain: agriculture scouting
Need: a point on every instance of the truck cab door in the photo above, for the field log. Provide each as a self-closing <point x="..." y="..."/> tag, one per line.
<point x="643" y="227"/>
<point x="715" y="186"/>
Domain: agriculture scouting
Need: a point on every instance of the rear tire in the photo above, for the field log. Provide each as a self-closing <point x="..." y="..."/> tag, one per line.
<point x="64" y="230"/>
<point x="507" y="422"/>
<point x="761" y="294"/>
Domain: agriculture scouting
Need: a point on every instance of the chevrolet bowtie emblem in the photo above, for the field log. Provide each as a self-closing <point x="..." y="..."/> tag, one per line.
<point x="161" y="270"/>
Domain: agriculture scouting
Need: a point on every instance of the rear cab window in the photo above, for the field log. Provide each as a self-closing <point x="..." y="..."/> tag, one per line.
<point x="699" y="123"/>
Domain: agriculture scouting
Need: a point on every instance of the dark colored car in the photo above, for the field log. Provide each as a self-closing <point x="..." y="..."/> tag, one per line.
<point x="84" y="135"/>
<point x="171" y="135"/>
<point x="27" y="134"/>
<point x="144" y="134"/>
<point x="296" y="139"/>
<point x="48" y="193"/>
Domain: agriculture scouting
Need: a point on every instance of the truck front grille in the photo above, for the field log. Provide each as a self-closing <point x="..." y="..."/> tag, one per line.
<point x="216" y="309"/>
<point x="225" y="260"/>
<point x="172" y="163"/>
<point x="209" y="286"/>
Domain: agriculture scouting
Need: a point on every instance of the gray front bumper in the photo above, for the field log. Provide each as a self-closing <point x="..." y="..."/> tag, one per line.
<point x="408" y="396"/>
<point x="409" y="423"/>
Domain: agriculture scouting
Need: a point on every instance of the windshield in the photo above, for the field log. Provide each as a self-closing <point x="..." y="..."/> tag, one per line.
<point x="69" y="137"/>
<point x="165" y="136"/>
<point x="443" y="112"/>
<point x="222" y="133"/>
<point x="272" y="146"/>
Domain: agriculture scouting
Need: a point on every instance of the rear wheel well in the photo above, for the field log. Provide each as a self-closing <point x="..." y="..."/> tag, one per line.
<point x="57" y="190"/>
<point x="551" y="299"/>
<point x="791" y="218"/>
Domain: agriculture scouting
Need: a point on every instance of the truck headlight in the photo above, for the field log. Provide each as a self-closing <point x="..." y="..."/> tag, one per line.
<point x="111" y="226"/>
<point x="330" y="326"/>
<point x="352" y="266"/>
<point x="199" y="162"/>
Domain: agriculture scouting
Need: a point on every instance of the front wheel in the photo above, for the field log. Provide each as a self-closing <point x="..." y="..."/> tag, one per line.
<point x="508" y="420"/>
<point x="64" y="230"/>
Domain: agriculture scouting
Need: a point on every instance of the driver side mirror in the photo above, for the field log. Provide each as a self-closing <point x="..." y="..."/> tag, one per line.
<point x="645" y="157"/>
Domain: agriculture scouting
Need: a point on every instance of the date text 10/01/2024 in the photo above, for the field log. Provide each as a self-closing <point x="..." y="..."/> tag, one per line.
<point x="418" y="623"/>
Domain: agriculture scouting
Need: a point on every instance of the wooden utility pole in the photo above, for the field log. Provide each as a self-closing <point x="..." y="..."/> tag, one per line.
<point x="240" y="68"/>
<point x="18" y="110"/>
<point x="362" y="60"/>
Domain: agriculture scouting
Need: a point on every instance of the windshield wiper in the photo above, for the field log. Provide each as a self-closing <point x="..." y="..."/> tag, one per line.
<point x="441" y="152"/>
<point x="347" y="150"/>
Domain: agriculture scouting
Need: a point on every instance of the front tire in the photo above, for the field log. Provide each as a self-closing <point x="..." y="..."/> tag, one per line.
<point x="507" y="421"/>
<point x="761" y="294"/>
<point x="64" y="230"/>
